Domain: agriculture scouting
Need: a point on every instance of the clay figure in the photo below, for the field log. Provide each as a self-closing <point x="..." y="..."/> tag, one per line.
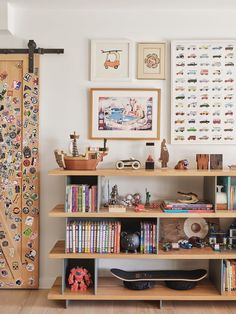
<point x="164" y="157"/>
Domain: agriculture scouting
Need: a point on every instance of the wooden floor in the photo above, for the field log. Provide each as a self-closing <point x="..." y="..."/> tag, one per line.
<point x="35" y="302"/>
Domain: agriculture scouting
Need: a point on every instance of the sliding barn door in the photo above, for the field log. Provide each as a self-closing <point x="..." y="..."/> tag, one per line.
<point x="19" y="172"/>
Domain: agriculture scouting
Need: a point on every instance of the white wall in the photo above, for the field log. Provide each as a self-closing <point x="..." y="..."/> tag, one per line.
<point x="65" y="84"/>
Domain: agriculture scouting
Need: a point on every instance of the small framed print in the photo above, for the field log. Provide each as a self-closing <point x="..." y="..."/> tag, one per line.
<point x="125" y="113"/>
<point x="151" y="61"/>
<point x="110" y="60"/>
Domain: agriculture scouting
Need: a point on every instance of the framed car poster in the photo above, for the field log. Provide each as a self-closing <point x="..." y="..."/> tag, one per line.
<point x="203" y="92"/>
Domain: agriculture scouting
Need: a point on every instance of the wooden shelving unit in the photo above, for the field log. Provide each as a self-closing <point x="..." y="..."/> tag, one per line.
<point x="111" y="288"/>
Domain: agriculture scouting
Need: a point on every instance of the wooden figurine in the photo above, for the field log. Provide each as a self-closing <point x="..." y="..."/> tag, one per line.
<point x="202" y="161"/>
<point x="164" y="156"/>
<point x="216" y="161"/>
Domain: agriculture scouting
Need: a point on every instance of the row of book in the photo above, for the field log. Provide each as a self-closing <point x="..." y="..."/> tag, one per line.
<point x="93" y="237"/>
<point x="81" y="198"/>
<point x="148" y="238"/>
<point x="229" y="275"/>
<point x="169" y="206"/>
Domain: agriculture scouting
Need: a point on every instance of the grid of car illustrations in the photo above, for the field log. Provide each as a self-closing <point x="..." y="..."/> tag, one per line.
<point x="203" y="92"/>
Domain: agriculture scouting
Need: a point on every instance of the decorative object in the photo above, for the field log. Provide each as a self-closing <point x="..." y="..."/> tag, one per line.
<point x="150" y="164"/>
<point x="88" y="161"/>
<point x="151" y="61"/>
<point x="79" y="279"/>
<point x="216" y="161"/>
<point x="128" y="163"/>
<point x="221" y="198"/>
<point x="202" y="161"/>
<point x="114" y="197"/>
<point x="148" y="196"/>
<point x="203" y="93"/>
<point x="232" y="167"/>
<point x="125" y="113"/>
<point x="174" y="279"/>
<point x="182" y="165"/>
<point x="196" y="227"/>
<point x="110" y="60"/>
<point x="189" y="198"/>
<point x="130" y="241"/>
<point x="164" y="157"/>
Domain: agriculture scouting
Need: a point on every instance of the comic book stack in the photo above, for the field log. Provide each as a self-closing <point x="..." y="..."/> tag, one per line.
<point x="81" y="198"/>
<point x="148" y="238"/>
<point x="93" y="237"/>
<point x="229" y="275"/>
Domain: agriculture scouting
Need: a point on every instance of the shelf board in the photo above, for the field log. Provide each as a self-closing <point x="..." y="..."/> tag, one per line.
<point x="58" y="252"/>
<point x="110" y="288"/>
<point x="143" y="172"/>
<point x="58" y="211"/>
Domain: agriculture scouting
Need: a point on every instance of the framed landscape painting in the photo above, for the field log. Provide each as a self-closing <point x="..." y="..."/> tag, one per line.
<point x="110" y="60"/>
<point x="125" y="113"/>
<point x="151" y="61"/>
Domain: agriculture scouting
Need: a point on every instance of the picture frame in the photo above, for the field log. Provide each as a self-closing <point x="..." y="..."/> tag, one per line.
<point x="151" y="61"/>
<point x="125" y="113"/>
<point x="111" y="60"/>
<point x="203" y="109"/>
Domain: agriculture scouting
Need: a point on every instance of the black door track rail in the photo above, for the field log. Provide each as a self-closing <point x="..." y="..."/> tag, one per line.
<point x="32" y="49"/>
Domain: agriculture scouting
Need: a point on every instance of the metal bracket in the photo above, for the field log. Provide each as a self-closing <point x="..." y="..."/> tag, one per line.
<point x="32" y="45"/>
<point x="31" y="51"/>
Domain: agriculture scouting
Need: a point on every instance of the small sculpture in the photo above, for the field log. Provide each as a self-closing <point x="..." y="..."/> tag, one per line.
<point x="76" y="161"/>
<point x="79" y="279"/>
<point x="114" y="195"/>
<point x="164" y="156"/>
<point x="182" y="165"/>
<point x="190" y="198"/>
<point x="128" y="163"/>
<point x="148" y="196"/>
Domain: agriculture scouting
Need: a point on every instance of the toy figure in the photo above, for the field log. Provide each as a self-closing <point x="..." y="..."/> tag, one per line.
<point x="114" y="195"/>
<point x="148" y="196"/>
<point x="75" y="151"/>
<point x="182" y="165"/>
<point x="164" y="157"/>
<point x="79" y="279"/>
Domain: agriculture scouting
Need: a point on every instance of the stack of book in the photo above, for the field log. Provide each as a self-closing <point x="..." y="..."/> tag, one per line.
<point x="178" y="207"/>
<point x="81" y="198"/>
<point x="93" y="237"/>
<point x="148" y="238"/>
<point x="229" y="275"/>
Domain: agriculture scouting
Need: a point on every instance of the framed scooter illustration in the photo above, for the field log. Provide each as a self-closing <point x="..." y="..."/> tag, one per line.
<point x="110" y="60"/>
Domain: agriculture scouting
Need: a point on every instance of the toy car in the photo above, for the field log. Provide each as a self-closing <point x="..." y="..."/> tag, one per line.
<point x="204" y="137"/>
<point x="192" y="121"/>
<point x="184" y="244"/>
<point x="128" y="163"/>
<point x="179" y="121"/>
<point x="204" y="130"/>
<point x="192" y="81"/>
<point x="180" y="129"/>
<point x="205" y="121"/>
<point x="180" y="64"/>
<point x="180" y="56"/>
<point x="216" y="121"/>
<point x="180" y="97"/>
<point x="229" y="105"/>
<point x="192" y="137"/>
<point x="217" y="80"/>
<point x="192" y="64"/>
<point x="179" y="138"/>
<point x="229" y="80"/>
<point x="229" y="113"/>
<point x="204" y="105"/>
<point x="179" y="88"/>
<point x="192" y="129"/>
<point x="179" y="47"/>
<point x="229" y="64"/>
<point x="192" y="113"/>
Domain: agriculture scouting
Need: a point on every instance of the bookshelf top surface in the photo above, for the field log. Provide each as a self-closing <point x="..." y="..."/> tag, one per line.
<point x="143" y="172"/>
<point x="59" y="212"/>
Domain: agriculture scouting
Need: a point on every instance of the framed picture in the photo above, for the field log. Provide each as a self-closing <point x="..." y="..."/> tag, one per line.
<point x="151" y="61"/>
<point x="125" y="113"/>
<point x="110" y="60"/>
<point x="203" y="92"/>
